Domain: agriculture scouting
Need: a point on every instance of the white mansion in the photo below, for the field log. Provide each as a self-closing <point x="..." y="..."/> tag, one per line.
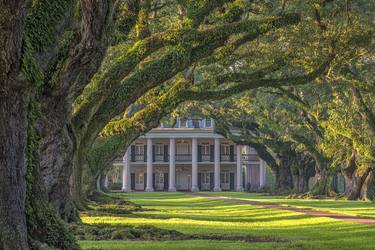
<point x="189" y="156"/>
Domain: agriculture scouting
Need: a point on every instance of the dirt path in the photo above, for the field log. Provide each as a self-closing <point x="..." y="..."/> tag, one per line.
<point x="370" y="222"/>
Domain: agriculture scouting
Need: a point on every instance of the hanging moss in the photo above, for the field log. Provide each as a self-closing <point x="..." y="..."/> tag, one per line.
<point x="43" y="224"/>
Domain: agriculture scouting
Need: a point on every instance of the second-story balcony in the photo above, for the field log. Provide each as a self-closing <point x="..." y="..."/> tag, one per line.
<point x="183" y="157"/>
<point x="201" y="158"/>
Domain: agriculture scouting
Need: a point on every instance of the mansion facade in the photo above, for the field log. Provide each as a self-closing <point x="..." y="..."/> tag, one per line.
<point x="189" y="156"/>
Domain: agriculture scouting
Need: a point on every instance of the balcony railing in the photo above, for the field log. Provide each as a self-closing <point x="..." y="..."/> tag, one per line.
<point x="188" y="157"/>
<point x="250" y="157"/>
<point x="183" y="157"/>
<point x="206" y="158"/>
<point x="160" y="157"/>
<point x="139" y="158"/>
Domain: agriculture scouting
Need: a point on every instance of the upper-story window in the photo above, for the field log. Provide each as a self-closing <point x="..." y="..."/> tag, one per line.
<point x="139" y="149"/>
<point x="208" y="123"/>
<point x="225" y="149"/>
<point x="195" y="123"/>
<point x="159" y="149"/>
<point x="183" y="147"/>
<point x="183" y="123"/>
<point x="205" y="149"/>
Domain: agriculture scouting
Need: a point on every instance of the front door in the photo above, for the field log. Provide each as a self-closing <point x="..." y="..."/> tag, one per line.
<point x="189" y="182"/>
<point x="225" y="180"/>
<point x="159" y="181"/>
<point x="206" y="180"/>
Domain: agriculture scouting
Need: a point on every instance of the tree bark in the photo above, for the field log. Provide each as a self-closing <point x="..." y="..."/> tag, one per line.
<point x="57" y="147"/>
<point x="45" y="227"/>
<point x="13" y="127"/>
<point x="284" y="178"/>
<point x="357" y="184"/>
<point x="368" y="187"/>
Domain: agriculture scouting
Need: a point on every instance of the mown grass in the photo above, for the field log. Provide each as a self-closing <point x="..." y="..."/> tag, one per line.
<point x="195" y="215"/>
<point x="353" y="208"/>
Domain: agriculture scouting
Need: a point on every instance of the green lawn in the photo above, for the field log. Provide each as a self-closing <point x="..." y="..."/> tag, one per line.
<point x="195" y="215"/>
<point x="354" y="208"/>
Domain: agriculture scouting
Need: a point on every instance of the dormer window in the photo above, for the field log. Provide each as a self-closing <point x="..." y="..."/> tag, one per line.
<point x="208" y="123"/>
<point x="183" y="123"/>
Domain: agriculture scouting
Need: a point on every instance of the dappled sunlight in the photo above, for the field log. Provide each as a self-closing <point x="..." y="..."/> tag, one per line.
<point x="353" y="208"/>
<point x="197" y="215"/>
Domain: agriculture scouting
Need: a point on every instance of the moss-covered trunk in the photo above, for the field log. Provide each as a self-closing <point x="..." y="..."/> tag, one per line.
<point x="45" y="227"/>
<point x="303" y="169"/>
<point x="324" y="184"/>
<point x="13" y="127"/>
<point x="357" y="183"/>
<point x="283" y="174"/>
<point x="368" y="188"/>
<point x="57" y="148"/>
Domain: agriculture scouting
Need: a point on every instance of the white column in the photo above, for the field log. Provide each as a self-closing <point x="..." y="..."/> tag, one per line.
<point x="247" y="170"/>
<point x="217" y="165"/>
<point x="106" y="181"/>
<point x="261" y="173"/>
<point x="172" y="165"/>
<point x="126" y="172"/>
<point x="239" y="187"/>
<point x="194" y="165"/>
<point x="149" y="187"/>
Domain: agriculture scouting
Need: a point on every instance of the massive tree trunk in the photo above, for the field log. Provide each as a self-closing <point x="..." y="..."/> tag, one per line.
<point x="357" y="183"/>
<point x="57" y="148"/>
<point x="367" y="191"/>
<point x="13" y="127"/>
<point x="324" y="183"/>
<point x="45" y="227"/>
<point x="304" y="169"/>
<point x="284" y="178"/>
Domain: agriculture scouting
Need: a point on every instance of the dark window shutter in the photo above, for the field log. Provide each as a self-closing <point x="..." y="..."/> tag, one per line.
<point x="132" y="153"/>
<point x="212" y="181"/>
<point x="145" y="153"/>
<point x="166" y="181"/>
<point x="153" y="180"/>
<point x="212" y="152"/>
<point x="231" y="151"/>
<point x="132" y="181"/>
<point x="145" y="181"/>
<point x="231" y="181"/>
<point x="165" y="153"/>
<point x="199" y="180"/>
<point x="199" y="153"/>
<point x="153" y="153"/>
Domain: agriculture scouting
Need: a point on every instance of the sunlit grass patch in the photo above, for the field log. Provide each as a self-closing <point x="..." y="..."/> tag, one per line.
<point x="353" y="208"/>
<point x="200" y="216"/>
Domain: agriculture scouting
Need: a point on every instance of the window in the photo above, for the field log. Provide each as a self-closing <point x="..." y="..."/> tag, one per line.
<point x="225" y="178"/>
<point x="159" y="149"/>
<point x="183" y="123"/>
<point x="205" y="149"/>
<point x="139" y="179"/>
<point x="160" y="179"/>
<point x="139" y="149"/>
<point x="225" y="149"/>
<point x="196" y="123"/>
<point x="208" y="123"/>
<point x="183" y="147"/>
<point x="205" y="178"/>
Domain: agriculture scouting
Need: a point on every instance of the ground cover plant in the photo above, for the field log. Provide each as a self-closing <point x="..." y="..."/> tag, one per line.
<point x="191" y="215"/>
